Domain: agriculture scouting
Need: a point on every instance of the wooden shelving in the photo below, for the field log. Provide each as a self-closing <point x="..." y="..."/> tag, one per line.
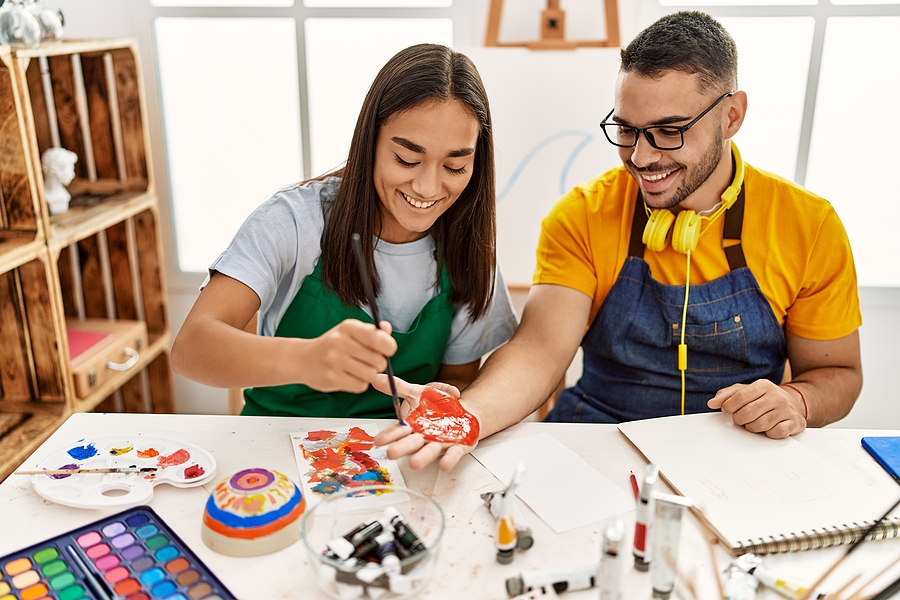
<point x="101" y="259"/>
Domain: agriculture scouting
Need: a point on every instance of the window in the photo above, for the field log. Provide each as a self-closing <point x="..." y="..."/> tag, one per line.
<point x="252" y="103"/>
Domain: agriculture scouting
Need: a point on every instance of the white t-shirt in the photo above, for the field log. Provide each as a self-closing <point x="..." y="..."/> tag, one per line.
<point x="279" y="245"/>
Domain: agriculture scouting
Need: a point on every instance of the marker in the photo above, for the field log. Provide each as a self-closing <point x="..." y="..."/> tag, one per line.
<point x="523" y="532"/>
<point x="610" y="564"/>
<point x="561" y="580"/>
<point x="642" y="551"/>
<point x="666" y="535"/>
<point x="507" y="536"/>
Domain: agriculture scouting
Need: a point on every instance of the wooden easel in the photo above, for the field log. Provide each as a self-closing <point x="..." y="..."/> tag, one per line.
<point x="553" y="29"/>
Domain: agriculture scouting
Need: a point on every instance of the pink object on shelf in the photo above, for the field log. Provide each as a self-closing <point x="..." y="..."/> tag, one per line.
<point x="80" y="341"/>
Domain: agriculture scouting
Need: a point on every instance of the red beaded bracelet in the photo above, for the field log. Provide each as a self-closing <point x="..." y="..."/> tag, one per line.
<point x="802" y="397"/>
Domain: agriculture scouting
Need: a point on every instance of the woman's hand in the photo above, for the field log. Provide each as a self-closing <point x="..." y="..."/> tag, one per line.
<point x="403" y="441"/>
<point x="348" y="356"/>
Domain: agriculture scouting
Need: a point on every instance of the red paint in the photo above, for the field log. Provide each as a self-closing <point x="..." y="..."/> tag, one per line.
<point x="148" y="453"/>
<point x="640" y="537"/>
<point x="320" y="435"/>
<point x="179" y="457"/>
<point x="440" y="417"/>
<point x="193" y="472"/>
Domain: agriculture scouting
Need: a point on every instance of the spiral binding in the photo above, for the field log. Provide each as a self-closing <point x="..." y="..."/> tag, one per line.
<point x="815" y="539"/>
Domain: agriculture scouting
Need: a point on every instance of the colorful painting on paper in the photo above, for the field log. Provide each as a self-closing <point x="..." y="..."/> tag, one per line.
<point x="334" y="460"/>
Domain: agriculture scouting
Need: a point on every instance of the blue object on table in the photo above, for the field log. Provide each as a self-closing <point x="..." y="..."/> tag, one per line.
<point x="886" y="450"/>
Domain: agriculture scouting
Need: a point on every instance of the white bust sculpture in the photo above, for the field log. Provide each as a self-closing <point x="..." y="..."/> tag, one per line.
<point x="58" y="165"/>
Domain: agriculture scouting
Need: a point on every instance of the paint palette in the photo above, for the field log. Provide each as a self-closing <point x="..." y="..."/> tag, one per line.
<point x="132" y="555"/>
<point x="176" y="463"/>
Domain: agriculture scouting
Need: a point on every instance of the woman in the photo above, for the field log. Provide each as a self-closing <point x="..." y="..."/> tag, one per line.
<point x="418" y="187"/>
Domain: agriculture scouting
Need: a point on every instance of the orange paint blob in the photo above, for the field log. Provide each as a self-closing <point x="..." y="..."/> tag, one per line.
<point x="440" y="417"/>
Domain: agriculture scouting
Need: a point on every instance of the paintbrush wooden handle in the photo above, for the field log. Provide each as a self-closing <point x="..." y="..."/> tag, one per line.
<point x="79" y="471"/>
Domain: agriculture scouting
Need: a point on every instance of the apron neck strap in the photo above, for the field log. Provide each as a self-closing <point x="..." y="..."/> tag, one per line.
<point x="731" y="239"/>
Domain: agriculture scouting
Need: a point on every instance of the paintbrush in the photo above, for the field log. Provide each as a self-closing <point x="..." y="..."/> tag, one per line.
<point x="80" y="471"/>
<point x="370" y="294"/>
<point x="853" y="546"/>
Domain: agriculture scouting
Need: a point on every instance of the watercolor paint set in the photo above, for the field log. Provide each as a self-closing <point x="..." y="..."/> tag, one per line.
<point x="132" y="555"/>
<point x="144" y="462"/>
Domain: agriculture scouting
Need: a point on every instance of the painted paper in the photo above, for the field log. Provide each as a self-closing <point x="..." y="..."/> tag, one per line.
<point x="343" y="458"/>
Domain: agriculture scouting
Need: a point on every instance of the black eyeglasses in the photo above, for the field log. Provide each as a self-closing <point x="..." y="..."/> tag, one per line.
<point x="661" y="137"/>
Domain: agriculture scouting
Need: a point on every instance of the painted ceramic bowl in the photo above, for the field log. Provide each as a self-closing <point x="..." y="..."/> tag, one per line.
<point x="253" y="512"/>
<point x="362" y="548"/>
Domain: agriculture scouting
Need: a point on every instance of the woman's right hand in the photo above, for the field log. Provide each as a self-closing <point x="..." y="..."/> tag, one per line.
<point x="348" y="356"/>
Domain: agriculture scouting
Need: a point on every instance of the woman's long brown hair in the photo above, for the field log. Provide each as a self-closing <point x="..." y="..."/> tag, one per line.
<point x="465" y="235"/>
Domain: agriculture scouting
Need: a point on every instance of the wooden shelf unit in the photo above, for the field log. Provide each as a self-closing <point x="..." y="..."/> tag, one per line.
<point x="100" y="259"/>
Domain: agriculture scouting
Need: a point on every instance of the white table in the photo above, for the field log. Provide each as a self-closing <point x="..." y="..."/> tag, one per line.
<point x="467" y="567"/>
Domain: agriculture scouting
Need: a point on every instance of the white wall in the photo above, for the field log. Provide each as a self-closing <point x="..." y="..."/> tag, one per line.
<point x="880" y="334"/>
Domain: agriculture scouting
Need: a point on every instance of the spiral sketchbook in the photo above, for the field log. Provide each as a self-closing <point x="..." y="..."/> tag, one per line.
<point x="757" y="494"/>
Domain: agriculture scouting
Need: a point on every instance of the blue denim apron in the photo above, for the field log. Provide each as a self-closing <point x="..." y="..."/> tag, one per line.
<point x="631" y="348"/>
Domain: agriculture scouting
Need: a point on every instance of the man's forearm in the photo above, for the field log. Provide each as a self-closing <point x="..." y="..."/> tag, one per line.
<point x="513" y="383"/>
<point x="830" y="392"/>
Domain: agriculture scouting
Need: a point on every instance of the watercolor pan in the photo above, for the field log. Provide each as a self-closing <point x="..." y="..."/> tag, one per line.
<point x="176" y="463"/>
<point x="132" y="555"/>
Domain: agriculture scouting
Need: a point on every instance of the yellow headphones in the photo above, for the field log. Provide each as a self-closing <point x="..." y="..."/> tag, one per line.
<point x="687" y="230"/>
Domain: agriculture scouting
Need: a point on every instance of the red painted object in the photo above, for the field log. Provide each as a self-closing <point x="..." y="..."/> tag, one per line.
<point x="440" y="417"/>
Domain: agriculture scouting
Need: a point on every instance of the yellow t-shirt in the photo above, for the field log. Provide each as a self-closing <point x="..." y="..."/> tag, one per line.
<point x="793" y="240"/>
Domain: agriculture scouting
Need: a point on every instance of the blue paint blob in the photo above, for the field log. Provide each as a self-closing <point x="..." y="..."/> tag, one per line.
<point x="83" y="452"/>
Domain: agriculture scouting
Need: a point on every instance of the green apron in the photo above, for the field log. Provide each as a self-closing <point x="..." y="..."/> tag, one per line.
<point x="317" y="308"/>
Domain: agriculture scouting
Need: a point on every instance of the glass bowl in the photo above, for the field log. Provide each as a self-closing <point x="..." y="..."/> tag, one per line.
<point x="374" y="541"/>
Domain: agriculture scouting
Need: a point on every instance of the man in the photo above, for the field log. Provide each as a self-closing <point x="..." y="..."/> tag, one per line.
<point x="768" y="267"/>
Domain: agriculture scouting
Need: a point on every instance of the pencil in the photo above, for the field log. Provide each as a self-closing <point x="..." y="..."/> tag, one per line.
<point x="81" y="471"/>
<point x="634" y="486"/>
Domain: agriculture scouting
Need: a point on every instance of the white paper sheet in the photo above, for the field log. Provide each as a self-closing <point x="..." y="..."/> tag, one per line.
<point x="559" y="486"/>
<point x="333" y="460"/>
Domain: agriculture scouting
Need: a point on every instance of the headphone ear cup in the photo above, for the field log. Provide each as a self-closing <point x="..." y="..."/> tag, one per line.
<point x="657" y="229"/>
<point x="686" y="234"/>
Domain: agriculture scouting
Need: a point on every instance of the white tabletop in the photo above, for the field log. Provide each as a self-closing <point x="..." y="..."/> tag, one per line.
<point x="467" y="566"/>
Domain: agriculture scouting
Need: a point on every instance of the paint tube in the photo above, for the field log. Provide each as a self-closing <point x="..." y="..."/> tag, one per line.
<point x="642" y="551"/>
<point x="740" y="584"/>
<point x="506" y="538"/>
<point x="346" y="546"/>
<point x="786" y="587"/>
<point x="524" y="535"/>
<point x="408" y="543"/>
<point x="562" y="579"/>
<point x="610" y="578"/>
<point x="666" y="532"/>
<point x="387" y="554"/>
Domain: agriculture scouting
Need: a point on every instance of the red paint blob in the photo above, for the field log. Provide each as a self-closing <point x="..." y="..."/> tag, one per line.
<point x="193" y="472"/>
<point x="179" y="457"/>
<point x="440" y="417"/>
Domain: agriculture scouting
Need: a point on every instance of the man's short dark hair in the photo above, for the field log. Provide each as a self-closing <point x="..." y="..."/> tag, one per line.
<point x="688" y="41"/>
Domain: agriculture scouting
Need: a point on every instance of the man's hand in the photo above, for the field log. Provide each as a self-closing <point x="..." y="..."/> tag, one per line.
<point x="403" y="441"/>
<point x="762" y="407"/>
